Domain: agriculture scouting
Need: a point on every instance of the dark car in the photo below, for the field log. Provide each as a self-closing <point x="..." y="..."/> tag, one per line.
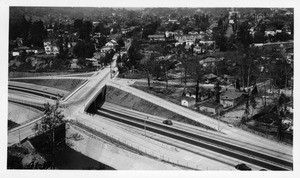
<point x="242" y="167"/>
<point x="168" y="122"/>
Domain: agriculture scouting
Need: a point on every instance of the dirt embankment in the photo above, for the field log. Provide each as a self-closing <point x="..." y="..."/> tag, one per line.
<point x="124" y="99"/>
<point x="63" y="84"/>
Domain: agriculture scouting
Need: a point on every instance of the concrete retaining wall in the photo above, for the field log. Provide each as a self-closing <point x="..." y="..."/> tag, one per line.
<point x="111" y="154"/>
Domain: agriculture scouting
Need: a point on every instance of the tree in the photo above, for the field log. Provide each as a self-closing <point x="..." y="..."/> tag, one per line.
<point x="149" y="67"/>
<point x="77" y="24"/>
<point x="100" y="28"/>
<point x="37" y="33"/>
<point x="85" y="30"/>
<point x="196" y="71"/>
<point x="47" y="127"/>
<point x="165" y="66"/>
<point x="237" y="85"/>
<point x="253" y="102"/>
<point x="52" y="119"/>
<point x="79" y="49"/>
<point x="121" y="42"/>
<point x="259" y="37"/>
<point x="217" y="91"/>
<point x="133" y="54"/>
<point x="243" y="35"/>
<point x="185" y="60"/>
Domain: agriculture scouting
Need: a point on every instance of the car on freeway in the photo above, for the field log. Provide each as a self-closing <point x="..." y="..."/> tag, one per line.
<point x="168" y="122"/>
<point x="242" y="167"/>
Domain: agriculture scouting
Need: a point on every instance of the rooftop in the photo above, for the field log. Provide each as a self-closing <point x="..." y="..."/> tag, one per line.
<point x="210" y="76"/>
<point x="231" y="94"/>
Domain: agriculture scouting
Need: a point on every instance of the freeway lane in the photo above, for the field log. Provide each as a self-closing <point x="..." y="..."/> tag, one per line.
<point x="199" y="131"/>
<point x="32" y="91"/>
<point x="230" y="132"/>
<point x="197" y="140"/>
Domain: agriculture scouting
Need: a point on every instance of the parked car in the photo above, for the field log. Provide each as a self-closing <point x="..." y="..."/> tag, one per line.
<point x="242" y="167"/>
<point x="168" y="122"/>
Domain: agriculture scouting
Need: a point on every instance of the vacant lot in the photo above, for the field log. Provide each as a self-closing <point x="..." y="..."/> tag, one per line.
<point x="63" y="84"/>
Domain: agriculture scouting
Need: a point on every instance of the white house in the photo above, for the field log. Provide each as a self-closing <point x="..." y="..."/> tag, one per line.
<point x="188" y="102"/>
<point x="15" y="53"/>
<point x="51" y="47"/>
<point x="198" y="50"/>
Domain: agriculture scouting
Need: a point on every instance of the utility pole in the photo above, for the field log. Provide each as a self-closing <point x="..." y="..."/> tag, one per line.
<point x="19" y="136"/>
<point x="145" y="125"/>
<point x="218" y="121"/>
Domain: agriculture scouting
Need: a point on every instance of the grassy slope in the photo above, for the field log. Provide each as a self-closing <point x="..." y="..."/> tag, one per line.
<point x="119" y="97"/>
<point x="63" y="84"/>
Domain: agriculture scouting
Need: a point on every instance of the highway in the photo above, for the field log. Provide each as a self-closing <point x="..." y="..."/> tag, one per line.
<point x="203" y="140"/>
<point x="230" y="142"/>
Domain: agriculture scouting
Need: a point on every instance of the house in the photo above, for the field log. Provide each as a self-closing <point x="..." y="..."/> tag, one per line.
<point x="169" y="34"/>
<point x="229" y="79"/>
<point x="124" y="31"/>
<point x="231" y="98"/>
<point x="173" y="21"/>
<point x="106" y="49"/>
<point x="157" y="37"/>
<point x="188" y="102"/>
<point x="198" y="50"/>
<point x="185" y="38"/>
<point x="35" y="50"/>
<point x="209" y="78"/>
<point x="193" y="33"/>
<point x="15" y="53"/>
<point x="19" y="50"/>
<point x="270" y="32"/>
<point x="203" y="94"/>
<point x="210" y="61"/>
<point x="50" y="46"/>
<point x="210" y="106"/>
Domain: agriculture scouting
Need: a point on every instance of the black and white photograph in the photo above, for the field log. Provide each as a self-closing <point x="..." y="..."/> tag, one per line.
<point x="178" y="87"/>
